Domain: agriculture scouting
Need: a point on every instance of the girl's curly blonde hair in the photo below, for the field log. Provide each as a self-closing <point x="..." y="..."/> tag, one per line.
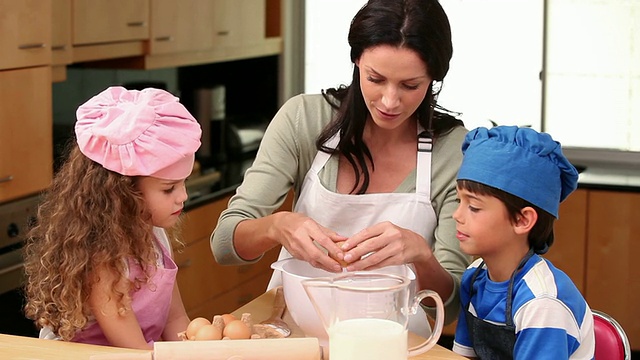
<point x="89" y="218"/>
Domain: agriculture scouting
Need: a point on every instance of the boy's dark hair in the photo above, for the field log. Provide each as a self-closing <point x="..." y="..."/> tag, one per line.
<point x="541" y="235"/>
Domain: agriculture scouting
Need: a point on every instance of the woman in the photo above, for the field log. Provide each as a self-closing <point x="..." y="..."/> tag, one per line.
<point x="359" y="170"/>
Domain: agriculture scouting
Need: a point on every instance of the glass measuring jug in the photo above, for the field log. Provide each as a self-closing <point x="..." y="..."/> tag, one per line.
<point x="366" y="315"/>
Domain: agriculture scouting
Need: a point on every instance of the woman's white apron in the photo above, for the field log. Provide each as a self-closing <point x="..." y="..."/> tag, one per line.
<point x="348" y="214"/>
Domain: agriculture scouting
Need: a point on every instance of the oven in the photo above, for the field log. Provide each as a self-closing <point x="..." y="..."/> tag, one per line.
<point x="15" y="218"/>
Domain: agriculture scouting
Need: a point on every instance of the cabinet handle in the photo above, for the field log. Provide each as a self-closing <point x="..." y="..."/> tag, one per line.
<point x="59" y="48"/>
<point x="185" y="264"/>
<point x="136" y="24"/>
<point x="6" y="179"/>
<point x="164" y="38"/>
<point x="223" y="33"/>
<point x="31" y="46"/>
<point x="11" y="268"/>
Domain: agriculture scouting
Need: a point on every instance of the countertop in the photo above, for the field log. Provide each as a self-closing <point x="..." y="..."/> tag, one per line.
<point x="20" y="347"/>
<point x="610" y="177"/>
<point x="215" y="182"/>
<point x="28" y="348"/>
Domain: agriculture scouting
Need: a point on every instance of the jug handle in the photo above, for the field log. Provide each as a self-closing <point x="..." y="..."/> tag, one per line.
<point x="439" y="322"/>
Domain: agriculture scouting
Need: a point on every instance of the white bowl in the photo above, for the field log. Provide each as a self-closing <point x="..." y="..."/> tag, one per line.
<point x="298" y="303"/>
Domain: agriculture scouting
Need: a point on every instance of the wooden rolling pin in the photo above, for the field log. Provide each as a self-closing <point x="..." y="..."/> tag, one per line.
<point x="123" y="356"/>
<point x="253" y="349"/>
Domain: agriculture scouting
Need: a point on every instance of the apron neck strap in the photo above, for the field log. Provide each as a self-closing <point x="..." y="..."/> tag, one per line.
<point x="508" y="312"/>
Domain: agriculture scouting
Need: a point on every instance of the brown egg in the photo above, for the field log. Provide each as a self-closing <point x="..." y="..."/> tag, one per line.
<point x="228" y="318"/>
<point x="342" y="263"/>
<point x="236" y="329"/>
<point x="195" y="325"/>
<point x="208" y="332"/>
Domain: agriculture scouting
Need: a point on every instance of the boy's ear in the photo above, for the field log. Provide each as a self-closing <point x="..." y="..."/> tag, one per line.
<point x="526" y="220"/>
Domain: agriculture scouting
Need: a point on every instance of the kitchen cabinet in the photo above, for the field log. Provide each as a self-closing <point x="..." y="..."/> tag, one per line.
<point x="596" y="245"/>
<point x="61" y="47"/>
<point x="239" y="22"/>
<point x="25" y="98"/>
<point x="612" y="277"/>
<point x="106" y="29"/>
<point x="25" y="33"/>
<point x="208" y="288"/>
<point x="568" y="252"/>
<point x="181" y="26"/>
<point x="104" y="21"/>
<point x="201" y="25"/>
<point x="26" y="151"/>
<point x="194" y="32"/>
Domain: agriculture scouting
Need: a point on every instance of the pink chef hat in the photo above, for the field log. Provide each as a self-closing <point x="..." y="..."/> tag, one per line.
<point x="138" y="133"/>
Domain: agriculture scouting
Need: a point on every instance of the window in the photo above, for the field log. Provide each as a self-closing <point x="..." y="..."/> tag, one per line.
<point x="588" y="98"/>
<point x="494" y="74"/>
<point x="592" y="95"/>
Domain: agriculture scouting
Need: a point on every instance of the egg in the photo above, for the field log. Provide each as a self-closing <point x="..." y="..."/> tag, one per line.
<point x="228" y="318"/>
<point x="342" y="263"/>
<point x="208" y="332"/>
<point x="236" y="329"/>
<point x="195" y="325"/>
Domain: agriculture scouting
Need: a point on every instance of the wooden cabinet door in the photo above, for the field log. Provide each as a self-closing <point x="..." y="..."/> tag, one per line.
<point x="181" y="26"/>
<point x="208" y="288"/>
<point x="105" y="21"/>
<point x="25" y="33"/>
<point x="61" y="32"/>
<point x="612" y="283"/>
<point x="252" y="24"/>
<point x="568" y="252"/>
<point x="239" y="22"/>
<point x="26" y="150"/>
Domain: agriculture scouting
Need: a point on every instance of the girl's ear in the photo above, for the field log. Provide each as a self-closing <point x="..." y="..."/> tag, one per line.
<point x="525" y="220"/>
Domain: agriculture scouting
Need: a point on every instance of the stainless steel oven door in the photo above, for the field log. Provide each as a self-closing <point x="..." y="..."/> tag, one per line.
<point x="15" y="219"/>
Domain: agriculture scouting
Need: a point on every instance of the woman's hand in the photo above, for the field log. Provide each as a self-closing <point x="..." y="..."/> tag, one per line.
<point x="301" y="235"/>
<point x="384" y="244"/>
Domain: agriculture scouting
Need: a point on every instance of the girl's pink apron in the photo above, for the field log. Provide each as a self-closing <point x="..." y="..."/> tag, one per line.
<point x="150" y="303"/>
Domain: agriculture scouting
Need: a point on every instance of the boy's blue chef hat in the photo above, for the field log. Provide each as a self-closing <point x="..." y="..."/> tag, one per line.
<point x="521" y="162"/>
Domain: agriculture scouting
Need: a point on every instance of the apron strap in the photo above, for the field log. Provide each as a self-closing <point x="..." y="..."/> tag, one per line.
<point x="423" y="165"/>
<point x="423" y="169"/>
<point x="508" y="313"/>
<point x="322" y="157"/>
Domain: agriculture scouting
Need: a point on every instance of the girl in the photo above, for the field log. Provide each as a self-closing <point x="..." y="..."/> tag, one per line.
<point x="98" y="262"/>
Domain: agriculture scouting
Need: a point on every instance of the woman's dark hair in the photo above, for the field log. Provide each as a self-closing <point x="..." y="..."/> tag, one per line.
<point x="418" y="25"/>
<point x="540" y="236"/>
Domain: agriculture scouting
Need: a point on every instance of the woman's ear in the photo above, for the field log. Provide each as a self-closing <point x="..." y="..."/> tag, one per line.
<point x="525" y="220"/>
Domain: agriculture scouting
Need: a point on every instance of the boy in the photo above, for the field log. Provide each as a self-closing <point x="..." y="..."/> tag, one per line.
<point x="516" y="304"/>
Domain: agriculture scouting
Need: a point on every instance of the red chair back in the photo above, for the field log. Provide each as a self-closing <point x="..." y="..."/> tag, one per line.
<point x="611" y="341"/>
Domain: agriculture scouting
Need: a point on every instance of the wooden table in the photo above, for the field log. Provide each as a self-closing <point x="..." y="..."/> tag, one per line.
<point x="23" y="348"/>
<point x="260" y="309"/>
<point x="28" y="348"/>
